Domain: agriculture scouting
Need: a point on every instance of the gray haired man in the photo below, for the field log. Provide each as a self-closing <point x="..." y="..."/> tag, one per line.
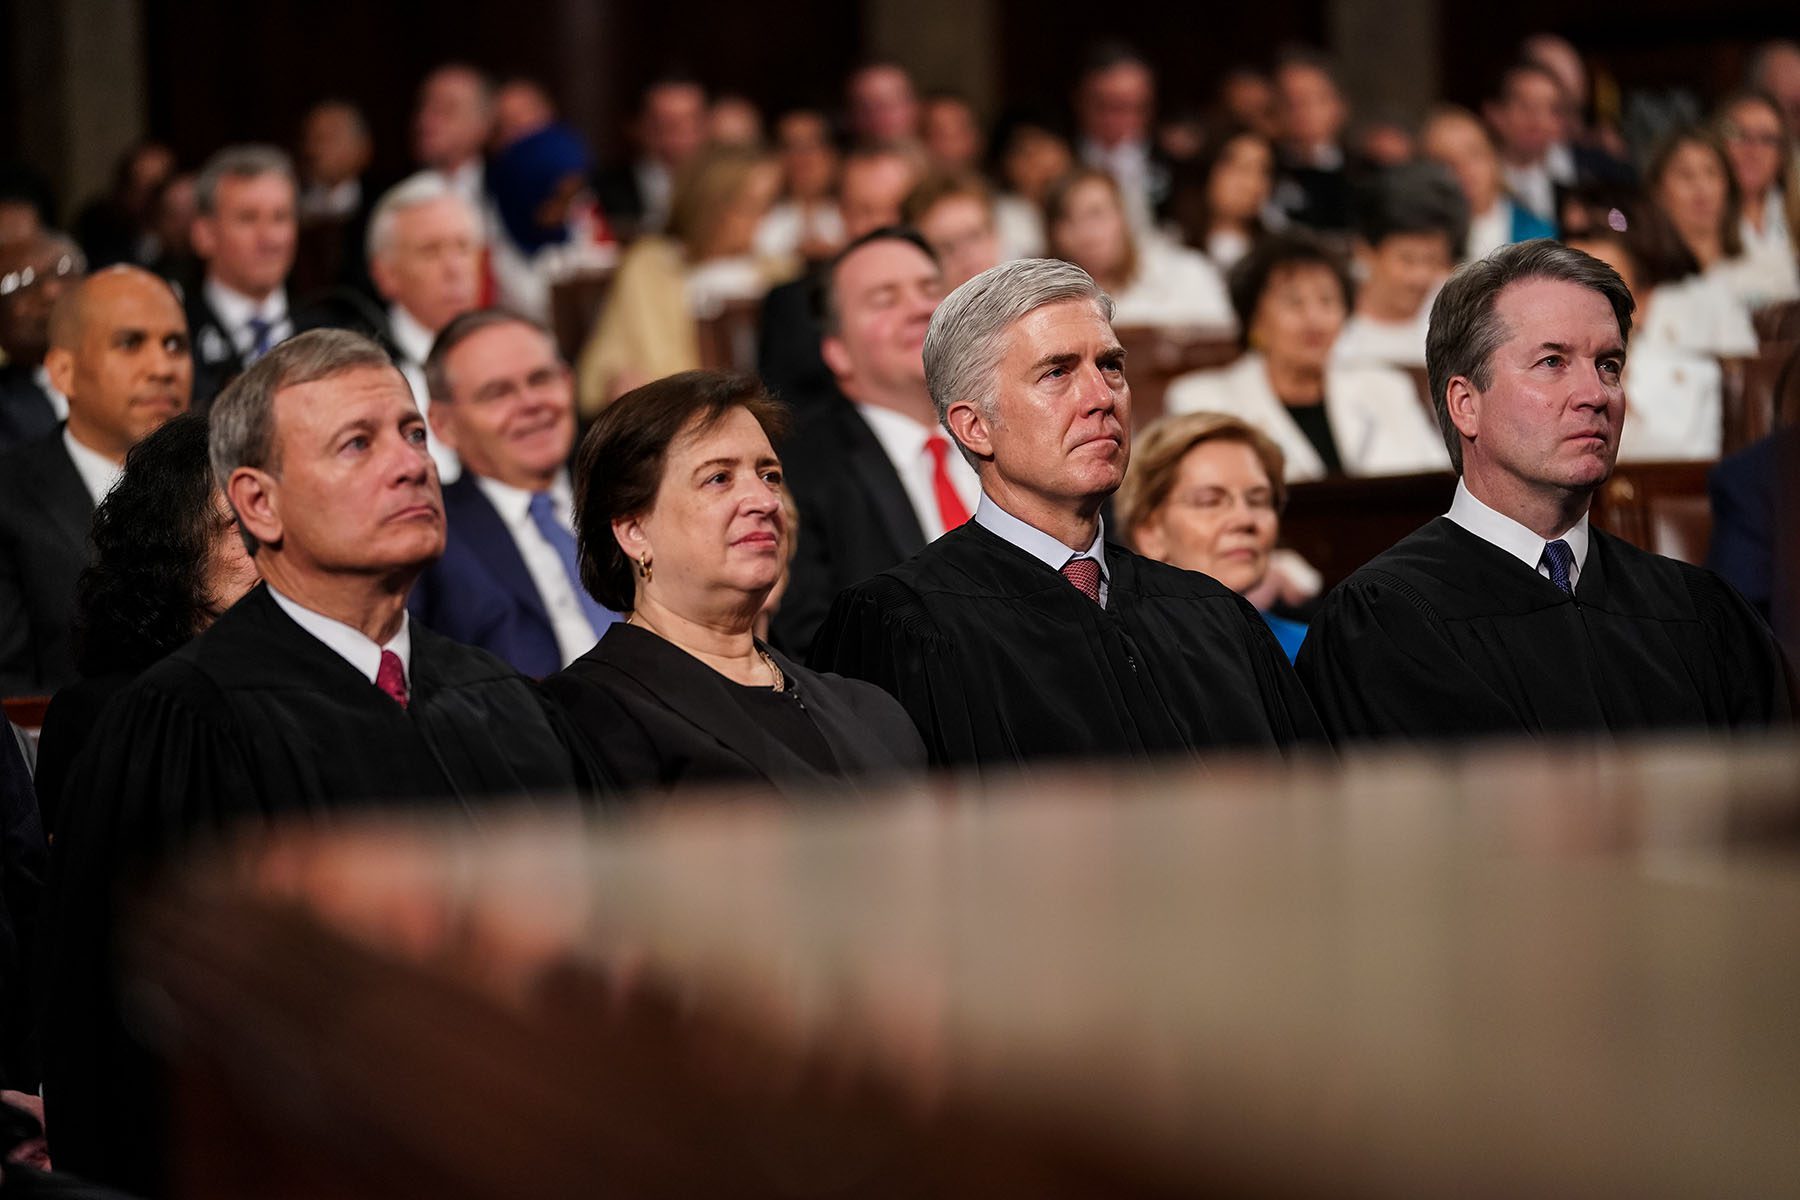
<point x="1511" y="615"/>
<point x="1025" y="635"/>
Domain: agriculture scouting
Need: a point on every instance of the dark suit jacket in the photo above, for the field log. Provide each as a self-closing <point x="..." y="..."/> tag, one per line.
<point x="25" y="411"/>
<point x="480" y="593"/>
<point x="855" y="519"/>
<point x="1746" y="489"/>
<point x="621" y="202"/>
<point x="787" y="349"/>
<point x="45" y="515"/>
<point x="216" y="358"/>
<point x="661" y="718"/>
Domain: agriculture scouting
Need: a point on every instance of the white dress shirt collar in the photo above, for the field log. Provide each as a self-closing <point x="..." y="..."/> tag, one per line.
<point x="59" y="403"/>
<point x="98" y="472"/>
<point x="1040" y="545"/>
<point x="903" y="440"/>
<point x="235" y="309"/>
<point x="1498" y="529"/>
<point x="411" y="338"/>
<point x="352" y="644"/>
<point x="514" y="504"/>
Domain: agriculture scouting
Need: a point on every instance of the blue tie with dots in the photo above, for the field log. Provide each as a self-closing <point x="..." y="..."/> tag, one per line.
<point x="562" y="541"/>
<point x="1559" y="558"/>
<point x="260" y="330"/>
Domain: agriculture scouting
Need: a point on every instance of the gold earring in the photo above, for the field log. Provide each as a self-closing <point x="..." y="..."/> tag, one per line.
<point x="644" y="571"/>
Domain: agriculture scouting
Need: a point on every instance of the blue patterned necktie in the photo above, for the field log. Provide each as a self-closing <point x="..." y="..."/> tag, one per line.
<point x="563" y="542"/>
<point x="260" y="330"/>
<point x="1559" y="558"/>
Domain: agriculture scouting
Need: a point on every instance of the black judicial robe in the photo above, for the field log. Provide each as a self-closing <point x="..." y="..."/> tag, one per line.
<point x="1446" y="635"/>
<point x="254" y="719"/>
<point x="1000" y="660"/>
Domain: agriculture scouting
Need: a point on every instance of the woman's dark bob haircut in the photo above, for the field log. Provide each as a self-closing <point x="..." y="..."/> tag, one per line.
<point x="620" y="467"/>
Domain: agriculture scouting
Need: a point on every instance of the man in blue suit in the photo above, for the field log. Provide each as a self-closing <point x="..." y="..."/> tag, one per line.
<point x="503" y="400"/>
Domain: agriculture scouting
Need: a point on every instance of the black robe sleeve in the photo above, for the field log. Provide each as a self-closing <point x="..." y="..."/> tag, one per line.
<point x="1759" y="681"/>
<point x="1378" y="664"/>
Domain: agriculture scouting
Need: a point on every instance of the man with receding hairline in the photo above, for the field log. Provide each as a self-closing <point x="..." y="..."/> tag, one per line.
<point x="118" y="349"/>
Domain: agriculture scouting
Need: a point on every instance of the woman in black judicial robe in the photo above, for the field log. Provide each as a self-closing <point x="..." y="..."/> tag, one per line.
<point x="167" y="561"/>
<point x="680" y="525"/>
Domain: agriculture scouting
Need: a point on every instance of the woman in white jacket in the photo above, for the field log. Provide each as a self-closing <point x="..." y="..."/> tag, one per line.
<point x="1292" y="296"/>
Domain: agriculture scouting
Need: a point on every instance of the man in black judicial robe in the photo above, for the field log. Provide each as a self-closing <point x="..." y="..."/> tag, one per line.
<point x="313" y="694"/>
<point x="1511" y="614"/>
<point x="1024" y="635"/>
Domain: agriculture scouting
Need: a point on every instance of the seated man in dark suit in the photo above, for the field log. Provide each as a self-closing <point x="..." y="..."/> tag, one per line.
<point x="871" y="188"/>
<point x="34" y="273"/>
<point x="119" y="352"/>
<point x="312" y="694"/>
<point x="1750" y="492"/>
<point x="669" y="131"/>
<point x="1511" y="615"/>
<point x="873" y="476"/>
<point x="245" y="231"/>
<point x="503" y="400"/>
<point x="1024" y="635"/>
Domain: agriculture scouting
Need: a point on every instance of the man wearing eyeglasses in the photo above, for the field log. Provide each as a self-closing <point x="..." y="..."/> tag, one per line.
<point x="118" y="349"/>
<point x="33" y="274"/>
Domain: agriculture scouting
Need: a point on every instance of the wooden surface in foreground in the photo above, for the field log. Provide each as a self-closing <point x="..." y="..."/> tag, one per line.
<point x="1518" y="972"/>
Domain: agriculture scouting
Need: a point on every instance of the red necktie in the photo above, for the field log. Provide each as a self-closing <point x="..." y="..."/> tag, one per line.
<point x="1084" y="573"/>
<point x="951" y="510"/>
<point x="391" y="677"/>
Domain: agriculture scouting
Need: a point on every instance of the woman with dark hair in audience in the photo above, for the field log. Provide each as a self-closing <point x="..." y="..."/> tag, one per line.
<point x="1292" y="295"/>
<point x="1763" y="162"/>
<point x="1151" y="280"/>
<point x="1204" y="492"/>
<point x="1690" y="183"/>
<point x="1224" y="209"/>
<point x="1028" y="156"/>
<point x="680" y="524"/>
<point x="167" y="562"/>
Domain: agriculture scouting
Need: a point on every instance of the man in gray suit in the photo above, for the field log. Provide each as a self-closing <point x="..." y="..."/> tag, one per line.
<point x="119" y="352"/>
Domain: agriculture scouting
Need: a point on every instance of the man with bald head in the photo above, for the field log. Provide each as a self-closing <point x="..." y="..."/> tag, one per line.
<point x="118" y="349"/>
<point x="34" y="273"/>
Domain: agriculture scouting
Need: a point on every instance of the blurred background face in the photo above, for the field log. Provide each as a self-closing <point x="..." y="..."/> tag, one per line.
<point x="1250" y="98"/>
<point x="1529" y="116"/>
<point x="1312" y="111"/>
<point x="1116" y="104"/>
<point x="736" y="231"/>
<point x="521" y="108"/>
<point x="511" y="414"/>
<point x="883" y="108"/>
<point x="1299" y="316"/>
<point x="1091" y="232"/>
<point x="34" y="274"/>
<point x="961" y="229"/>
<point x="248" y="240"/>
<point x="1753" y="141"/>
<point x="808" y="160"/>
<point x="871" y="192"/>
<point x="431" y="266"/>
<point x="176" y="208"/>
<point x="1402" y="272"/>
<point x="1461" y="144"/>
<point x="673" y="127"/>
<point x="1035" y="159"/>
<point x="454" y="119"/>
<point x="952" y="138"/>
<point x="333" y="146"/>
<point x="1219" y="517"/>
<point x="1692" y="191"/>
<point x="734" y="121"/>
<point x="1241" y="180"/>
<point x="884" y="294"/>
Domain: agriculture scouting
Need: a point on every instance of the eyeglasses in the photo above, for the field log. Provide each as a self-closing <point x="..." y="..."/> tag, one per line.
<point x="66" y="265"/>
<point x="1735" y="133"/>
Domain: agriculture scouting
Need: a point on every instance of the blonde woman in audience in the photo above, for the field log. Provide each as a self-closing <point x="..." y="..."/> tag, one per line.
<point x="1204" y="492"/>
<point x="1151" y="281"/>
<point x="1690" y="183"/>
<point x="1292" y="295"/>
<point x="1761" y="149"/>
<point x="649" y="326"/>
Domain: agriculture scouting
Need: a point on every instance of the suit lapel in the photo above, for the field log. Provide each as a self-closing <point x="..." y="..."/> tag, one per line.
<point x="881" y="481"/>
<point x="58" y="485"/>
<point x="487" y="536"/>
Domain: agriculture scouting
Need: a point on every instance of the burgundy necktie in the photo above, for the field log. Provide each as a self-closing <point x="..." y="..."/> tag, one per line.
<point x="1084" y="573"/>
<point x="391" y="677"/>
<point x="951" y="509"/>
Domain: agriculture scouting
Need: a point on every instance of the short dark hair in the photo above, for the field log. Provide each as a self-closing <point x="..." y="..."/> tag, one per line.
<point x="1414" y="198"/>
<point x="461" y="328"/>
<point x="145" y="593"/>
<point x="1518" y="68"/>
<point x="620" y="466"/>
<point x="1275" y="254"/>
<point x="1466" y="329"/>
<point x="824" y="296"/>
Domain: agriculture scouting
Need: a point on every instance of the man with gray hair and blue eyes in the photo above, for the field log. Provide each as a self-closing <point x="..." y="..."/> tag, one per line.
<point x="1024" y="635"/>
<point x="1510" y="615"/>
